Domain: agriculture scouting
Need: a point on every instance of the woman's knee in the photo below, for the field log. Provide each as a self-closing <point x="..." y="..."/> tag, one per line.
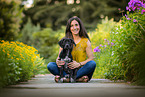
<point x="50" y="65"/>
<point x="92" y="64"/>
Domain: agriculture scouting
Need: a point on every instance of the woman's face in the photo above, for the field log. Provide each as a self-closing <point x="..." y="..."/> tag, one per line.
<point x="75" y="27"/>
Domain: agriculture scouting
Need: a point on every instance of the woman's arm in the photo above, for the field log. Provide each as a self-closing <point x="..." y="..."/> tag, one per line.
<point x="58" y="62"/>
<point x="89" y="53"/>
<point x="60" y="49"/>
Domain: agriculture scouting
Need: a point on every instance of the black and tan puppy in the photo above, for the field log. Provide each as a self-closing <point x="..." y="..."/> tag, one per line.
<point x="65" y="55"/>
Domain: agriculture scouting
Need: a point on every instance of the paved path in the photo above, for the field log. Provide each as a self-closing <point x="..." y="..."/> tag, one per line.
<point x="44" y="86"/>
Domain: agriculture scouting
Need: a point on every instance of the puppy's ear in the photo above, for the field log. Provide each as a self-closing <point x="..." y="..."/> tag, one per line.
<point x="61" y="43"/>
<point x="72" y="41"/>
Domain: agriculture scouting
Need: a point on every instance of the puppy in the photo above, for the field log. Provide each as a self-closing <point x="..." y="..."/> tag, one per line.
<point x="65" y="55"/>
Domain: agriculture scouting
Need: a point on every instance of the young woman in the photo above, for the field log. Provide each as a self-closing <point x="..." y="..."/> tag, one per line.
<point x="82" y="53"/>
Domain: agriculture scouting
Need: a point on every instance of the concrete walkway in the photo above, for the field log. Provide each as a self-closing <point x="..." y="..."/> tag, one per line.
<point x="44" y="86"/>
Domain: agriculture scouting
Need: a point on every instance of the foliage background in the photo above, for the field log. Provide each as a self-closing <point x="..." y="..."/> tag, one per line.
<point x="117" y="39"/>
<point x="55" y="13"/>
<point x="10" y="19"/>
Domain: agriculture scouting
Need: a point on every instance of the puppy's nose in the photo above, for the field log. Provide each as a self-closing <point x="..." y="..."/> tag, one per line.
<point x="67" y="46"/>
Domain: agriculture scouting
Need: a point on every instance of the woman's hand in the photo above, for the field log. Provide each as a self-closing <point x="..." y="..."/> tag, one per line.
<point x="73" y="65"/>
<point x="59" y="63"/>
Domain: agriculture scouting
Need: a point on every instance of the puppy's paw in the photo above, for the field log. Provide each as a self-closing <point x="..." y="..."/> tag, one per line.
<point x="72" y="80"/>
<point x="60" y="80"/>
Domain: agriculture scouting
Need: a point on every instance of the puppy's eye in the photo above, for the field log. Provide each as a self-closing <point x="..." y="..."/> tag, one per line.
<point x="63" y="42"/>
<point x="70" y="41"/>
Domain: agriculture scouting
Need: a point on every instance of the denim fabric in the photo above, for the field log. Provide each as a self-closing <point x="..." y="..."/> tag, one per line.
<point x="87" y="69"/>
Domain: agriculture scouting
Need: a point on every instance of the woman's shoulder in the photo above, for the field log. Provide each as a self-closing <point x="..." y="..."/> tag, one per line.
<point x="84" y="41"/>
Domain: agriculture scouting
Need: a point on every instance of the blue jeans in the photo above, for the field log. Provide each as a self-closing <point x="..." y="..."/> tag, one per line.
<point x="87" y="69"/>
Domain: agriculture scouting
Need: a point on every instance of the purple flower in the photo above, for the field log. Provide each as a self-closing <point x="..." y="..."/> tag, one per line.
<point x="100" y="45"/>
<point x="104" y="45"/>
<point x="134" y="4"/>
<point x="112" y="43"/>
<point x="134" y="20"/>
<point x="142" y="11"/>
<point x="97" y="49"/>
<point x="125" y="15"/>
<point x="127" y="8"/>
<point x="128" y="18"/>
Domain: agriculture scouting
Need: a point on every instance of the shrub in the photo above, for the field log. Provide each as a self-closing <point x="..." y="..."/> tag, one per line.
<point x="46" y="41"/>
<point x="102" y="45"/>
<point x="130" y="42"/>
<point x="18" y="62"/>
<point x="103" y="54"/>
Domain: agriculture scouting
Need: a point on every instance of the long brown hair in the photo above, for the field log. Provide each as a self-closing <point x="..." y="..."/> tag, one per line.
<point x="82" y="32"/>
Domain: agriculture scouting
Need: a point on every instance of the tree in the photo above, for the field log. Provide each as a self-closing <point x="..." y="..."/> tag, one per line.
<point x="10" y="19"/>
<point x="46" y="41"/>
<point x="49" y="14"/>
<point x="91" y="11"/>
<point x="56" y="12"/>
<point x="28" y="30"/>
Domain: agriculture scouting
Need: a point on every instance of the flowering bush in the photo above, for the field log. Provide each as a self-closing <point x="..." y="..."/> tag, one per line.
<point x="125" y="60"/>
<point x="129" y="45"/>
<point x="103" y="53"/>
<point x="18" y="62"/>
<point x="102" y="45"/>
<point x="106" y="44"/>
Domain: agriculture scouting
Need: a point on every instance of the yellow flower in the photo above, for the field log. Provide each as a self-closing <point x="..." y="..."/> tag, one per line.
<point x="17" y="58"/>
<point x="32" y="60"/>
<point x="2" y="41"/>
<point x="4" y="51"/>
<point x="12" y="42"/>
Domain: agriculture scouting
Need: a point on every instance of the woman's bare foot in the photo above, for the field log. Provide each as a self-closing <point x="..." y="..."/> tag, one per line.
<point x="66" y="80"/>
<point x="84" y="79"/>
<point x="57" y="77"/>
